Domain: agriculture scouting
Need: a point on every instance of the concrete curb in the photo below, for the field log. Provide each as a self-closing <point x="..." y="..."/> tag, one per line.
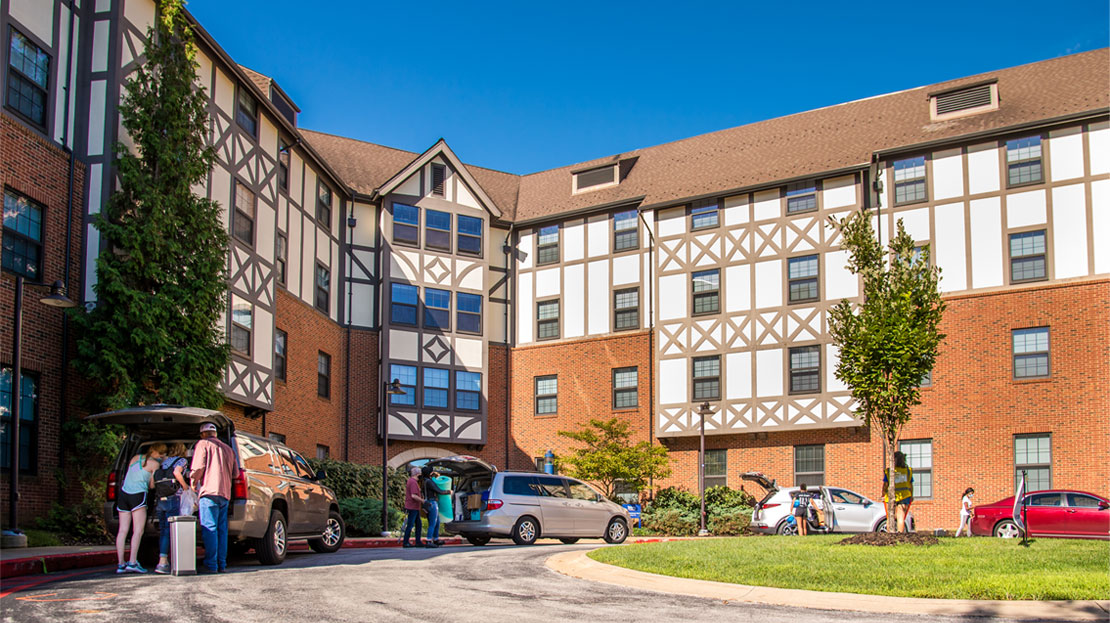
<point x="578" y="565"/>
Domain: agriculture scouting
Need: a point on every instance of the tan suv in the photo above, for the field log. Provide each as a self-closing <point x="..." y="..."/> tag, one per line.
<point x="277" y="497"/>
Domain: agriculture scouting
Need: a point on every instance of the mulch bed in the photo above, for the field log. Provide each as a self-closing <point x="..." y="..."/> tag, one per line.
<point x="887" y="538"/>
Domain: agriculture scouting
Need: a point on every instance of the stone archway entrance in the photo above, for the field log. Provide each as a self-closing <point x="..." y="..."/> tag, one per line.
<point x="415" y="454"/>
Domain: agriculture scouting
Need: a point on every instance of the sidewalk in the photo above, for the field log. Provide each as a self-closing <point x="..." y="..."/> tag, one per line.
<point x="36" y="560"/>
<point x="578" y="565"/>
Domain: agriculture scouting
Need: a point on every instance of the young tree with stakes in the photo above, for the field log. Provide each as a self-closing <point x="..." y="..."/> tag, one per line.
<point x="154" y="335"/>
<point x="610" y="457"/>
<point x="888" y="341"/>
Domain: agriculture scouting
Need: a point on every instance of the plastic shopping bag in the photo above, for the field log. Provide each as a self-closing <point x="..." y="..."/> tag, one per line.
<point x="188" y="505"/>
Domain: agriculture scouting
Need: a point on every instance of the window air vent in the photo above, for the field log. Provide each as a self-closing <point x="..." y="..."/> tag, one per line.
<point x="595" y="177"/>
<point x="964" y="99"/>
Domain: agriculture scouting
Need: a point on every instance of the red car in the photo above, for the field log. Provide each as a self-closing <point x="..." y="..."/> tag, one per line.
<point x="1057" y="513"/>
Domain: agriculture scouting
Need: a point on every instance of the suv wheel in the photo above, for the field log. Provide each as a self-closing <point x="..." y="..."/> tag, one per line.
<point x="271" y="547"/>
<point x="334" y="534"/>
<point x="616" y="532"/>
<point x="787" y="528"/>
<point x="526" y="531"/>
<point x="881" y="526"/>
<point x="477" y="541"/>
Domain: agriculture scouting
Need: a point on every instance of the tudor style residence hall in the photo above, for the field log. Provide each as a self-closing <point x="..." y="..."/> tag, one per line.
<point x="635" y="285"/>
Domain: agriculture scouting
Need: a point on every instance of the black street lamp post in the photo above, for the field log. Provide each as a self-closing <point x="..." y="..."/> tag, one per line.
<point x="391" y="389"/>
<point x="57" y="298"/>
<point x="703" y="410"/>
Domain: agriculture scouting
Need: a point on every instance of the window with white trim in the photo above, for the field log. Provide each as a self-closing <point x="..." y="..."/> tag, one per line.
<point x="1031" y="353"/>
<point x="1033" y="455"/>
<point x="919" y="457"/>
<point x="809" y="466"/>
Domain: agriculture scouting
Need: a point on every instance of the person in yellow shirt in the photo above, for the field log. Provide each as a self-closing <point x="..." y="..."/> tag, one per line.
<point x="903" y="490"/>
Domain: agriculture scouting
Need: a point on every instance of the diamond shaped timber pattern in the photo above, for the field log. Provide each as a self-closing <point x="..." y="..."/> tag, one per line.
<point x="436" y="348"/>
<point x="436" y="270"/>
<point x="435" y="425"/>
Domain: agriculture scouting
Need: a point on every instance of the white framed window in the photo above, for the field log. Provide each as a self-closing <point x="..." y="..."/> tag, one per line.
<point x="919" y="457"/>
<point x="1031" y="353"/>
<point x="909" y="180"/>
<point x="1033" y="455"/>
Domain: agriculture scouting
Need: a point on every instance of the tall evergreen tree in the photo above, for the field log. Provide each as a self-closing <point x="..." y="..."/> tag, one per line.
<point x="153" y="336"/>
<point x="888" y="341"/>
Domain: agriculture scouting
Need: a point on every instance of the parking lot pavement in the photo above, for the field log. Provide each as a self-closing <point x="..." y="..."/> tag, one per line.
<point x="459" y="584"/>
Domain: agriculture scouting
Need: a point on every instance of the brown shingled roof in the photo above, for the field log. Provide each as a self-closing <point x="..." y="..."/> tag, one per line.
<point x="366" y="166"/>
<point x="259" y="80"/>
<point x="803" y="144"/>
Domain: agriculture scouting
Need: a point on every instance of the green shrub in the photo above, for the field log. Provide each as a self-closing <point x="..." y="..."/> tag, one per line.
<point x="671" y="522"/>
<point x="729" y="525"/>
<point x="676" y="512"/>
<point x="356" y="480"/>
<point x="41" y="538"/>
<point x="79" y="523"/>
<point x="363" y="516"/>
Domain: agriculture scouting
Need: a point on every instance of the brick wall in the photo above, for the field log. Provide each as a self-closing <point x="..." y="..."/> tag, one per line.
<point x="305" y="418"/>
<point x="972" y="411"/>
<point x="585" y="371"/>
<point x="35" y="167"/>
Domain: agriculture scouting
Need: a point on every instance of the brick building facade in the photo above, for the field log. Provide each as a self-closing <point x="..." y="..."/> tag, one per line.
<point x="634" y="286"/>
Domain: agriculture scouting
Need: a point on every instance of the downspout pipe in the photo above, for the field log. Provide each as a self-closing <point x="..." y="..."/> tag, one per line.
<point x="650" y="278"/>
<point x="510" y="288"/>
<point x="347" y="318"/>
<point x="71" y="173"/>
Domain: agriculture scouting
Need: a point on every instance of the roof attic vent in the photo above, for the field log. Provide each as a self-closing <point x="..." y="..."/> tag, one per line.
<point x="600" y="177"/>
<point x="969" y="100"/>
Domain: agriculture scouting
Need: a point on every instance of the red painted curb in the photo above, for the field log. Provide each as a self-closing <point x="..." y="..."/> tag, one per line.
<point x="17" y="567"/>
<point x="55" y="562"/>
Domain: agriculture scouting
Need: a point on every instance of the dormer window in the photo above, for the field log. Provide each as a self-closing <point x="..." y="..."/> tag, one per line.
<point x="593" y="179"/>
<point x="966" y="100"/>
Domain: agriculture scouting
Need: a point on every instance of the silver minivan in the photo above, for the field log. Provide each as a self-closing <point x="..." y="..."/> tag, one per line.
<point x="525" y="505"/>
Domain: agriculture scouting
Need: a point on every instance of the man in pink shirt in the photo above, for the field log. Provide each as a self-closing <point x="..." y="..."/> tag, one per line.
<point x="413" y="501"/>
<point x="214" y="466"/>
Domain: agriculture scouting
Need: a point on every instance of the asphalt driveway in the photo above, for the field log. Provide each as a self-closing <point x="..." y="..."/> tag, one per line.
<point x="496" y="583"/>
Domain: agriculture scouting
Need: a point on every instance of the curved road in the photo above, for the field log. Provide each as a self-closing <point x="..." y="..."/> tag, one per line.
<point x="453" y="584"/>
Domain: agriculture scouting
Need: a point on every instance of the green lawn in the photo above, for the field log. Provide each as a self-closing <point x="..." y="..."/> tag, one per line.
<point x="976" y="568"/>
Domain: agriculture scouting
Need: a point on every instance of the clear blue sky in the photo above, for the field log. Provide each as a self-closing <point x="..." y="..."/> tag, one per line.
<point x="527" y="86"/>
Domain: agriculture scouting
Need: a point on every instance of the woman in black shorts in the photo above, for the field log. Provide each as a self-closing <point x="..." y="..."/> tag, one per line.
<point x="132" y="504"/>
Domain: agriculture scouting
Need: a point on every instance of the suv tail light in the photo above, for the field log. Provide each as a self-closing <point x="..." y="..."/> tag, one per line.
<point x="492" y="505"/>
<point x="111" y="493"/>
<point x="239" y="486"/>
<point x="766" y="506"/>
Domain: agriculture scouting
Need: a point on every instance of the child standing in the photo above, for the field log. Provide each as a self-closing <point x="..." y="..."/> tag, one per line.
<point x="965" y="511"/>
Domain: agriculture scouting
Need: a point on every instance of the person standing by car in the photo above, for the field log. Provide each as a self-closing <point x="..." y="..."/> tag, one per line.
<point x="431" y="507"/>
<point x="903" y="489"/>
<point x="413" y="502"/>
<point x="214" y="466"/>
<point x="169" y="482"/>
<point x="965" y="511"/>
<point x="802" y="502"/>
<point x="132" y="505"/>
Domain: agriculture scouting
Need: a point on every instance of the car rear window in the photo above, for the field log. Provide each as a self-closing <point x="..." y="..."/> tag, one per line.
<point x="1046" y="499"/>
<point x="1086" y="501"/>
<point x="518" y="485"/>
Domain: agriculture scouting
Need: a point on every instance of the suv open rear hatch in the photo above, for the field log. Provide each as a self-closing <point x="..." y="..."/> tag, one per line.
<point x="769" y="484"/>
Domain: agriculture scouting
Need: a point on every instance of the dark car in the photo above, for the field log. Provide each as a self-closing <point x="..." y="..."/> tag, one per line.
<point x="1053" y="513"/>
<point x="277" y="497"/>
